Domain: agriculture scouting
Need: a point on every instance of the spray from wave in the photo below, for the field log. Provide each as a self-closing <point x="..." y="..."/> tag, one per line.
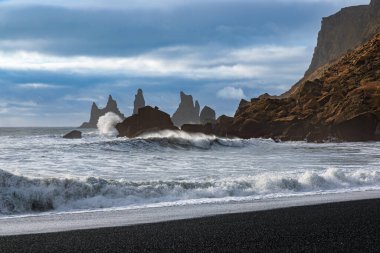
<point x="20" y="194"/>
<point x="106" y="124"/>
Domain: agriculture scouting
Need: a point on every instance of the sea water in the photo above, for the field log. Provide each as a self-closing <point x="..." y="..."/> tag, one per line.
<point x="42" y="172"/>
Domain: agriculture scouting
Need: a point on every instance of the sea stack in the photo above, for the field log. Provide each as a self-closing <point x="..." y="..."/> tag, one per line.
<point x="139" y="101"/>
<point x="207" y="115"/>
<point x="96" y="113"/>
<point x="187" y="112"/>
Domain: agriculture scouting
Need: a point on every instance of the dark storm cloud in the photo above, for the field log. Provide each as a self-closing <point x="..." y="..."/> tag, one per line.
<point x="127" y="32"/>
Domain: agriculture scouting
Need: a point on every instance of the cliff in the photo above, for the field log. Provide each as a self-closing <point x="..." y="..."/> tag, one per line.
<point x="344" y="31"/>
<point x="338" y="101"/>
<point x="96" y="113"/>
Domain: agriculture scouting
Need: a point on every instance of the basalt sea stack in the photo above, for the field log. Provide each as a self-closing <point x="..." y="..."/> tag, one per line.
<point x="187" y="112"/>
<point x="139" y="101"/>
<point x="96" y="113"/>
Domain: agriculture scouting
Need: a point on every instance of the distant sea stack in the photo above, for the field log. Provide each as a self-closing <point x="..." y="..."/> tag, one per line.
<point x="187" y="112"/>
<point x="345" y="30"/>
<point x="96" y="113"/>
<point x="139" y="101"/>
<point x="207" y="115"/>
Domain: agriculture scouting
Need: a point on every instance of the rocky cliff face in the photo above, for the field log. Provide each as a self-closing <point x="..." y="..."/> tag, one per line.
<point x="139" y="101"/>
<point x="187" y="112"/>
<point x="96" y="113"/>
<point x="338" y="101"/>
<point x="344" y="31"/>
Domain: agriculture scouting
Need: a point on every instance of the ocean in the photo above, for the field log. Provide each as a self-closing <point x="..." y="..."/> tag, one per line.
<point x="40" y="172"/>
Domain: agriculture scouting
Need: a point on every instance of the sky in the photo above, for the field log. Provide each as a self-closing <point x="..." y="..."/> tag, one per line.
<point x="58" y="56"/>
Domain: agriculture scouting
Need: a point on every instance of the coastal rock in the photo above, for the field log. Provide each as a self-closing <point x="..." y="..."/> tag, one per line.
<point x="339" y="101"/>
<point x="139" y="101"/>
<point x="73" y="135"/>
<point x="187" y="112"/>
<point x="96" y="113"/>
<point x="147" y="119"/>
<point x="207" y="115"/>
<point x="198" y="128"/>
<point x="344" y="31"/>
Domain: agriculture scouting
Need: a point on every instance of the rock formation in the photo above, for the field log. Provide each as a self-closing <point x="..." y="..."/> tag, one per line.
<point x="220" y="127"/>
<point x="338" y="101"/>
<point x="207" y="115"/>
<point x="147" y="119"/>
<point x="344" y="31"/>
<point x="73" y="135"/>
<point x="139" y="101"/>
<point x="187" y="112"/>
<point x="96" y="113"/>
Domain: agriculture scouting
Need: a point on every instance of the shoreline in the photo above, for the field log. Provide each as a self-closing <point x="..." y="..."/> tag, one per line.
<point x="340" y="226"/>
<point x="118" y="217"/>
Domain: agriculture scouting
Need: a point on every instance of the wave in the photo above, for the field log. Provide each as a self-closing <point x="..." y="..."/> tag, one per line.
<point x="106" y="124"/>
<point x="167" y="139"/>
<point x="20" y="194"/>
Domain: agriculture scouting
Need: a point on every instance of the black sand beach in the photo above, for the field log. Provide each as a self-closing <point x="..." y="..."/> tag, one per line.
<point x="337" y="227"/>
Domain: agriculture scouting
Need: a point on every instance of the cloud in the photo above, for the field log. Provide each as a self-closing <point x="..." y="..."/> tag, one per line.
<point x="38" y="86"/>
<point x="182" y="62"/>
<point x="148" y="4"/>
<point x="82" y="98"/>
<point x="49" y="27"/>
<point x="231" y="93"/>
<point x="16" y="106"/>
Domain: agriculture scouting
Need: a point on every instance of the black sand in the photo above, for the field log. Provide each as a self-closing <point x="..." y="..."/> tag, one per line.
<point x="338" y="227"/>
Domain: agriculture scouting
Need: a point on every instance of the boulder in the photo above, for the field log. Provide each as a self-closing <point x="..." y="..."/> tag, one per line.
<point x="73" y="135"/>
<point x="139" y="101"/>
<point x="147" y="119"/>
<point x="96" y="113"/>
<point x="187" y="112"/>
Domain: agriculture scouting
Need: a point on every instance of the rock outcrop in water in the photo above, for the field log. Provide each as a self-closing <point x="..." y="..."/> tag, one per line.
<point x="338" y="101"/>
<point x="187" y="112"/>
<point x="147" y="119"/>
<point x="344" y="31"/>
<point x="139" y="101"/>
<point x="221" y="127"/>
<point x="73" y="135"/>
<point x="96" y="113"/>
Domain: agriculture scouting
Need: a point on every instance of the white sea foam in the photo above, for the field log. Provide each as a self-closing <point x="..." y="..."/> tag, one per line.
<point x="106" y="123"/>
<point x="198" y="140"/>
<point x="41" y="171"/>
<point x="19" y="194"/>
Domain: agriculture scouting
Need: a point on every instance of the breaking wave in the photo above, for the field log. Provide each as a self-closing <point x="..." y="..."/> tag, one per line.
<point x="184" y="139"/>
<point x="106" y="124"/>
<point x="24" y="195"/>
